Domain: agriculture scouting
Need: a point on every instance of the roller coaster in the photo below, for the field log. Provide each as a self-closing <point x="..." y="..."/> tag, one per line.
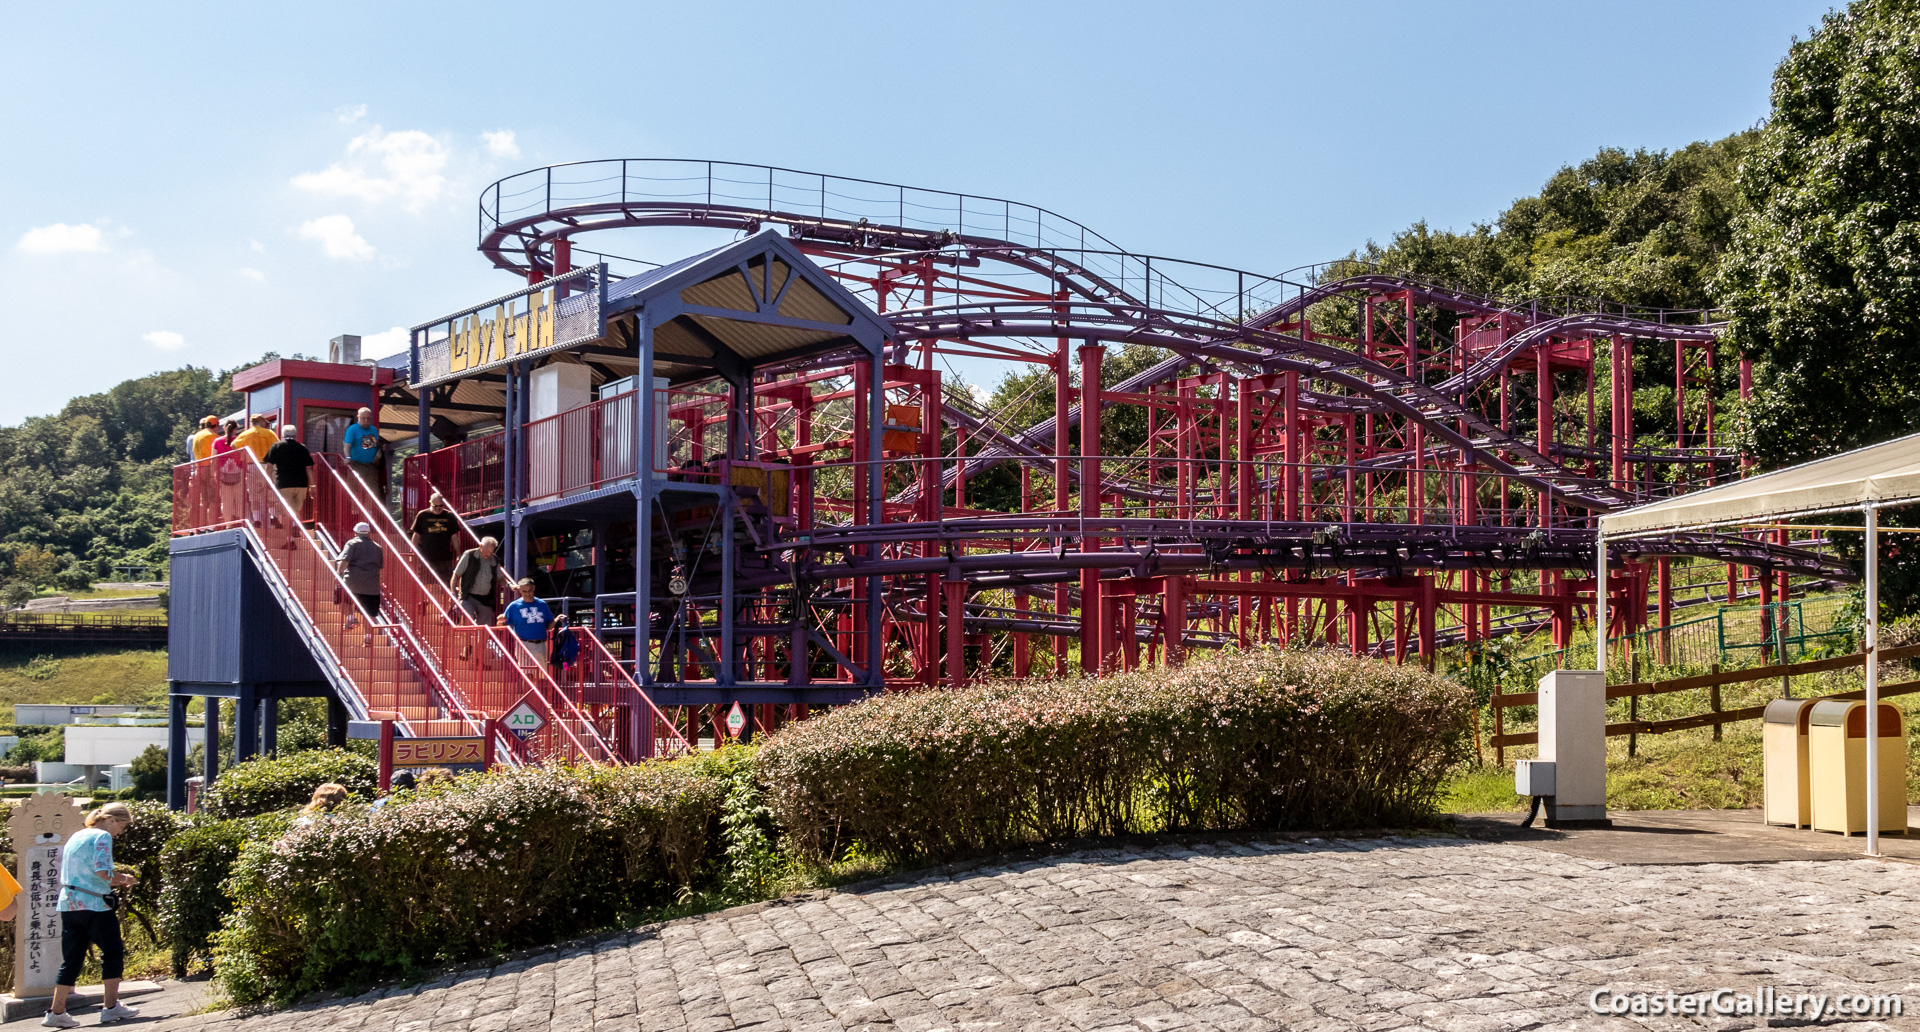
<point x="757" y="477"/>
<point x="1333" y="454"/>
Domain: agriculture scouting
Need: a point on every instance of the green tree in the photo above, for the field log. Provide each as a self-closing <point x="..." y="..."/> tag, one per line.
<point x="149" y="770"/>
<point x="1820" y="279"/>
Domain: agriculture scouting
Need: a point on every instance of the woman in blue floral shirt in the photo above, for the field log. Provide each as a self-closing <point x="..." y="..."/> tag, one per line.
<point x="86" y="917"/>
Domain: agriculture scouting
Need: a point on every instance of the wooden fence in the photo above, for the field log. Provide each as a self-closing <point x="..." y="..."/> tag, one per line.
<point x="1715" y="716"/>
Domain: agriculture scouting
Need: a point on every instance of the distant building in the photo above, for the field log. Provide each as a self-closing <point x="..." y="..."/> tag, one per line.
<point x="54" y="714"/>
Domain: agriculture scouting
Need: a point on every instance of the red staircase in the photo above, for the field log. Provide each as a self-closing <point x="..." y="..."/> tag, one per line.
<point x="420" y="661"/>
<point x="594" y="696"/>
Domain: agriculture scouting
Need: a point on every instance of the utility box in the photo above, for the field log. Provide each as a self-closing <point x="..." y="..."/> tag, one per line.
<point x="1787" y="795"/>
<point x="1573" y="737"/>
<point x="1837" y="760"/>
<point x="1533" y="778"/>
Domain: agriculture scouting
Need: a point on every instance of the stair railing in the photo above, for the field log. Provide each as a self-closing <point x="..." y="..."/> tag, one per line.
<point x="487" y="669"/>
<point x="598" y="678"/>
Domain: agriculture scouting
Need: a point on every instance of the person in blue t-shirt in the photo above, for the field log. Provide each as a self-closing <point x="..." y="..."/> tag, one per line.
<point x="530" y="619"/>
<point x="87" y="914"/>
<point x="367" y="452"/>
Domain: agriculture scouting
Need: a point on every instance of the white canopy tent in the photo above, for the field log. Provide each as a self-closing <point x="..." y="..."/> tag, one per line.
<point x="1876" y="477"/>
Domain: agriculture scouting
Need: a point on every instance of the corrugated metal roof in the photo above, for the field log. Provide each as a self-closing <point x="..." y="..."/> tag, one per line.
<point x="758" y="339"/>
<point x="1879" y="474"/>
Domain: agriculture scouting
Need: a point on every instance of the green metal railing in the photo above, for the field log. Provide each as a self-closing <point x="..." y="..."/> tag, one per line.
<point x="1729" y="637"/>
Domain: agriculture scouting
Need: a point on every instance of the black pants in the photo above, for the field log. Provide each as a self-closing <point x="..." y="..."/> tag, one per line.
<point x="369" y="603"/>
<point x="80" y="929"/>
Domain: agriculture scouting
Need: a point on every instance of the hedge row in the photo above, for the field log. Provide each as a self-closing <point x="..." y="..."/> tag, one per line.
<point x="491" y="863"/>
<point x="265" y="786"/>
<point x="1265" y="739"/>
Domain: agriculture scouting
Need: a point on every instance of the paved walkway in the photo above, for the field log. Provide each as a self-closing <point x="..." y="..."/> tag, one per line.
<point x="1447" y="934"/>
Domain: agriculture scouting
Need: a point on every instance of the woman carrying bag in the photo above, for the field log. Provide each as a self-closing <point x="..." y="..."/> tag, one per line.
<point x="88" y="916"/>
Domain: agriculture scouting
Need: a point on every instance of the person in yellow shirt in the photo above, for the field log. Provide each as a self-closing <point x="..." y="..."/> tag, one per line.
<point x="200" y="444"/>
<point x="200" y="449"/>
<point x="258" y="437"/>
<point x="9" y="894"/>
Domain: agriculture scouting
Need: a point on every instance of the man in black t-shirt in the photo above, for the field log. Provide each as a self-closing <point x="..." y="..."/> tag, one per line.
<point x="434" y="529"/>
<point x="290" y="461"/>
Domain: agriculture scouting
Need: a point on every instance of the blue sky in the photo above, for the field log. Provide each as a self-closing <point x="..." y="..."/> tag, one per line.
<point x="199" y="183"/>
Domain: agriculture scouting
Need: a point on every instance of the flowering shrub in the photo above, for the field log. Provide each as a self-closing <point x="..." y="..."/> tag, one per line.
<point x="265" y="785"/>
<point x="194" y="865"/>
<point x="1264" y="739"/>
<point x="139" y="850"/>
<point x="510" y="859"/>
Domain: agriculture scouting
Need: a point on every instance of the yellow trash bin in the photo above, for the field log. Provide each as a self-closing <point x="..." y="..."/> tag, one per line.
<point x="1837" y="760"/>
<point x="1783" y="739"/>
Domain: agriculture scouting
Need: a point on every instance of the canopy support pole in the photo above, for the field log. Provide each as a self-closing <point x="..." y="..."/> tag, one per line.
<point x="1873" y="680"/>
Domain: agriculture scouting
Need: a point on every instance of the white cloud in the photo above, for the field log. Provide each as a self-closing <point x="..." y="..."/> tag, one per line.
<point x="350" y="113"/>
<point x="165" y="340"/>
<point x="336" y="237"/>
<point x="253" y="274"/>
<point x="61" y="238"/>
<point x="257" y="246"/>
<point x="383" y="166"/>
<point x="380" y="345"/>
<point x="500" y="143"/>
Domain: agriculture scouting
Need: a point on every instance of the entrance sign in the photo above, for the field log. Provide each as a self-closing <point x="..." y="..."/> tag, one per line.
<point x="736" y="721"/>
<point x="524" y="722"/>
<point x="40" y="828"/>
<point x="439" y="752"/>
<point x="454" y="753"/>
<point x="558" y="313"/>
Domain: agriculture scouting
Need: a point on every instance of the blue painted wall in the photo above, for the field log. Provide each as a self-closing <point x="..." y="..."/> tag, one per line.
<point x="223" y="623"/>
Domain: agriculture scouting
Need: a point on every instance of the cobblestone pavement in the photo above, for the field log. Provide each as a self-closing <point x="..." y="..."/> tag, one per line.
<point x="1443" y="934"/>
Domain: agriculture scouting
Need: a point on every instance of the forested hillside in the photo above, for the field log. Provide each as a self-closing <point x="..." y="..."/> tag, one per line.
<point x="90" y="487"/>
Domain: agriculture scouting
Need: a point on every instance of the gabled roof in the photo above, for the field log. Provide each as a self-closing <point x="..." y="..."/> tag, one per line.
<point x="1883" y="474"/>
<point x="748" y="304"/>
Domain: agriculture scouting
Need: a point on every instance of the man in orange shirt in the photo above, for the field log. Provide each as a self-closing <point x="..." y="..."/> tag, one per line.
<point x="258" y="437"/>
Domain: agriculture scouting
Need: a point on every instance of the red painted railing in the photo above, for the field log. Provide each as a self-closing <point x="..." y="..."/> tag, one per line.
<point x="413" y="662"/>
<point x="488" y="669"/>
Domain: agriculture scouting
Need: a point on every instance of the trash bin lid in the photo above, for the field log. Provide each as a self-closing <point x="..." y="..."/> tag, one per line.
<point x="1785" y="711"/>
<point x="1853" y="714"/>
<point x="1831" y="712"/>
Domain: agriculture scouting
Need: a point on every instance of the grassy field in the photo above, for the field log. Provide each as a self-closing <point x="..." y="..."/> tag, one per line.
<point x="132" y="676"/>
<point x="1686" y="770"/>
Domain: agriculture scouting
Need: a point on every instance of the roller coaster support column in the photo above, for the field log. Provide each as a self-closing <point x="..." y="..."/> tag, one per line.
<point x="1664" y="568"/>
<point x="1543" y="412"/>
<point x="1062" y="475"/>
<point x="1093" y="636"/>
<point x="865" y="459"/>
<point x="1173" y="613"/>
<point x="1622" y="421"/>
<point x="1243" y="490"/>
<point x="1416" y="480"/>
<point x="1428" y="605"/>
<point x="932" y="504"/>
<point x="956" y="633"/>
